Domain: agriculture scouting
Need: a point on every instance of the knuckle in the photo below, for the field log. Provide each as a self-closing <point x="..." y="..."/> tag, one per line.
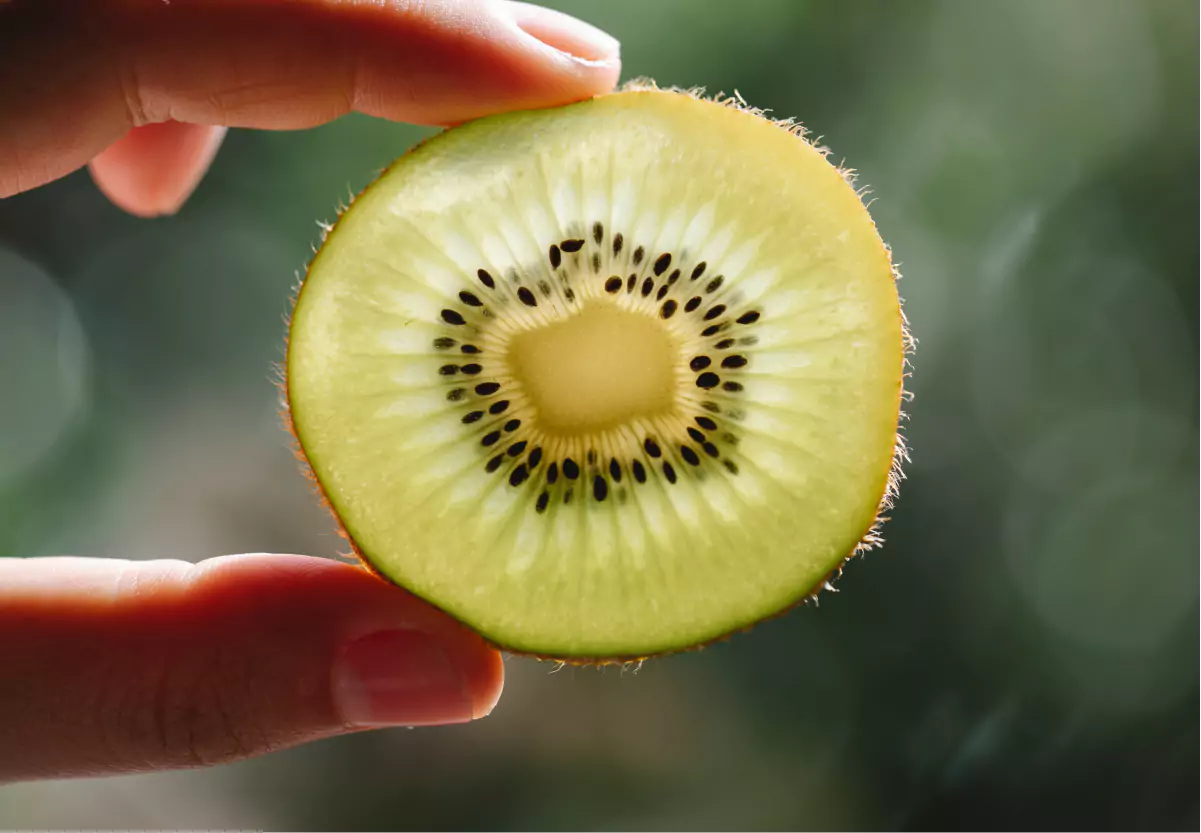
<point x="192" y="716"/>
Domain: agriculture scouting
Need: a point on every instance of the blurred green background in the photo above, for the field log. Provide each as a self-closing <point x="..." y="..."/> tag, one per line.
<point x="1022" y="653"/>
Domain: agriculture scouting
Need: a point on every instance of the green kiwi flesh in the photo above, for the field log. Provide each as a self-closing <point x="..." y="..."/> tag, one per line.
<point x="607" y="380"/>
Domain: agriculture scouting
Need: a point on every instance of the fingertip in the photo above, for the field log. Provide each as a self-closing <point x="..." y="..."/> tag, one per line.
<point x="476" y="669"/>
<point x="411" y="677"/>
<point x="153" y="169"/>
<point x="399" y="659"/>
<point x="563" y="33"/>
<point x="485" y="676"/>
<point x="586" y="55"/>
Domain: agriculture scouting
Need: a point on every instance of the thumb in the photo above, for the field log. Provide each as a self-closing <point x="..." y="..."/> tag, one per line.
<point x="118" y="666"/>
<point x="154" y="168"/>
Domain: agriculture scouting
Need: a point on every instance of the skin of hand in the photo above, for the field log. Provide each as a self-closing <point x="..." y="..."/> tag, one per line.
<point x="111" y="666"/>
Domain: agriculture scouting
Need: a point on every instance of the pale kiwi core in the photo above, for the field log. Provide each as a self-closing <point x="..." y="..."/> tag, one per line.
<point x="603" y="381"/>
<point x="599" y="369"/>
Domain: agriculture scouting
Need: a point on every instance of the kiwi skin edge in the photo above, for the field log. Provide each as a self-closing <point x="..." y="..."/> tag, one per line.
<point x="871" y="537"/>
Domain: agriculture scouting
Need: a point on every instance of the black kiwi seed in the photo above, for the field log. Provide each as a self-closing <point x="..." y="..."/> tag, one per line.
<point x="516" y="448"/>
<point x="526" y="297"/>
<point x="700" y="363"/>
<point x="714" y="312"/>
<point x="733" y="361"/>
<point x="639" y="471"/>
<point x="732" y="387"/>
<point x="618" y="242"/>
<point x="490" y="438"/>
<point x="692" y="304"/>
<point x="662" y="262"/>
<point x="471" y="369"/>
<point x="535" y="457"/>
<point x="706" y="423"/>
<point x="470" y="348"/>
<point x="689" y="455"/>
<point x="469" y="299"/>
<point x="724" y="344"/>
<point x="552" y="474"/>
<point x="669" y="472"/>
<point x="696" y="434"/>
<point x="730" y="465"/>
<point x="555" y="256"/>
<point x="452" y="317"/>
<point x="749" y="317"/>
<point x="444" y="343"/>
<point x="714" y="284"/>
<point x="474" y="416"/>
<point x="494" y="463"/>
<point x="699" y="270"/>
<point x="598" y="233"/>
<point x="571" y="469"/>
<point x="652" y="447"/>
<point x="600" y="489"/>
<point x="572" y="245"/>
<point x="667" y="310"/>
<point x="448" y="370"/>
<point x="518" y="475"/>
<point x="630" y="284"/>
<point x="613" y="284"/>
<point x="485" y="278"/>
<point x="710" y="449"/>
<point x="615" y="470"/>
<point x="543" y="500"/>
<point x="661" y="293"/>
<point x="647" y="286"/>
<point x="712" y="329"/>
<point x="512" y="425"/>
<point x="707" y="380"/>
<point x="673" y="277"/>
<point x="498" y="407"/>
<point x="639" y="253"/>
<point x="487" y="388"/>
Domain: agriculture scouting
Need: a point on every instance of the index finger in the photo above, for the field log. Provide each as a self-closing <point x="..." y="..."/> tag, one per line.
<point x="75" y="77"/>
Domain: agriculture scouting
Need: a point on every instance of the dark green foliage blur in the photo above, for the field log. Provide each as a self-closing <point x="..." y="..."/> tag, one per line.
<point x="1022" y="653"/>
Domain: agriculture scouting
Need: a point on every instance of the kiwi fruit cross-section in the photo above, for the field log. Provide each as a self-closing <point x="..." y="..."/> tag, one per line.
<point x="607" y="380"/>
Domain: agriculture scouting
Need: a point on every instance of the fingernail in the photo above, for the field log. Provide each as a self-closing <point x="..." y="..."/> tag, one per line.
<point x="564" y="33"/>
<point x="400" y="678"/>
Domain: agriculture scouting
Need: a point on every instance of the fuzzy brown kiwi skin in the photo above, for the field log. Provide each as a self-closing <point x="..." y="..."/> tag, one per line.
<point x="868" y="540"/>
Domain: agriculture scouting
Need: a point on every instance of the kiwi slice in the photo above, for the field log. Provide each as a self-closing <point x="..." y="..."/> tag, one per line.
<point x="606" y="380"/>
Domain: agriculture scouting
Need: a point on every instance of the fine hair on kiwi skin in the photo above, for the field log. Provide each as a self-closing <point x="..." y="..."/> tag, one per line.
<point x="664" y="285"/>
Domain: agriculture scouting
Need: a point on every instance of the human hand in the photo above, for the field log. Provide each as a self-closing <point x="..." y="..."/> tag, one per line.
<point x="78" y="76"/>
<point x="111" y="666"/>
